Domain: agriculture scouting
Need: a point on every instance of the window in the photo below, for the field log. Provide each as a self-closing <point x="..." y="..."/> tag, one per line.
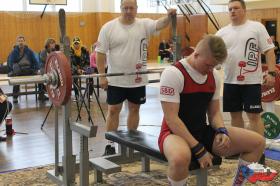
<point x="23" y="5"/>
<point x="12" y="5"/>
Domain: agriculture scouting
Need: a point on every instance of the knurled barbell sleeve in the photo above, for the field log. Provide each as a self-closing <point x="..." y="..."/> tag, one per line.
<point x="29" y="79"/>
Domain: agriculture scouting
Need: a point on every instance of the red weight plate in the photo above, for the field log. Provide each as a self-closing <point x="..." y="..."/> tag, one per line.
<point x="58" y="63"/>
<point x="269" y="93"/>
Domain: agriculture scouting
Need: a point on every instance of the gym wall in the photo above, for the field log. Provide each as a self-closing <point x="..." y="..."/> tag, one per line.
<point x="257" y="15"/>
<point x="87" y="26"/>
<point x="84" y="25"/>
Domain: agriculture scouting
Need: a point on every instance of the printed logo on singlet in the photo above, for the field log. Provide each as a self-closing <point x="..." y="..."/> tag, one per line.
<point x="251" y="54"/>
<point x="142" y="59"/>
<point x="168" y="91"/>
<point x="144" y="51"/>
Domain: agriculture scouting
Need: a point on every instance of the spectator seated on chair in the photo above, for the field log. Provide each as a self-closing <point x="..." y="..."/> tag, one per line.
<point x="79" y="57"/>
<point x="21" y="62"/>
<point x="165" y="50"/>
<point x="50" y="46"/>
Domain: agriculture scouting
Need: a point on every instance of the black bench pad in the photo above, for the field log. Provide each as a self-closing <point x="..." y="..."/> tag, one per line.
<point x="147" y="144"/>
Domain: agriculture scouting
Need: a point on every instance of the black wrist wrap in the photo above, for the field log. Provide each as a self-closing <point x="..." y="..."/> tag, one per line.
<point x="222" y="130"/>
<point x="198" y="151"/>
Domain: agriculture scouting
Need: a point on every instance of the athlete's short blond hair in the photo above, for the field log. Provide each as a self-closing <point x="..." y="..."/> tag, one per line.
<point x="215" y="45"/>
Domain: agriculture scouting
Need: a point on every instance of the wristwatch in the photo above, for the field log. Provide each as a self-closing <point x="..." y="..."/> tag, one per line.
<point x="272" y="73"/>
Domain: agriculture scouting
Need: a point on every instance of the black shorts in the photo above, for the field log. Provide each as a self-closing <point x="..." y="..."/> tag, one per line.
<point x="206" y="137"/>
<point x="242" y="97"/>
<point x="116" y="95"/>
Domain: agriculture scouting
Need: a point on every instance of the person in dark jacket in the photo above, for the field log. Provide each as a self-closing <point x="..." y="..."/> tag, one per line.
<point x="21" y="62"/>
<point x="50" y="46"/>
<point x="276" y="49"/>
<point x="164" y="50"/>
<point x="79" y="56"/>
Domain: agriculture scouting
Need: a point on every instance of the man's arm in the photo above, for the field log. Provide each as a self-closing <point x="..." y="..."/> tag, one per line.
<point x="176" y="125"/>
<point x="216" y="120"/>
<point x="214" y="114"/>
<point x="270" y="59"/>
<point x="100" y="64"/>
<point x="164" y="21"/>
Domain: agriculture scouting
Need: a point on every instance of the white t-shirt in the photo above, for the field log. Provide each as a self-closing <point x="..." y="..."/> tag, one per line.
<point x="173" y="78"/>
<point x="245" y="43"/>
<point x="126" y="47"/>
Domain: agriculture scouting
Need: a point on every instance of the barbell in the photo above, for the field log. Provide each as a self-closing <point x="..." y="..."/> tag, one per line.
<point x="58" y="79"/>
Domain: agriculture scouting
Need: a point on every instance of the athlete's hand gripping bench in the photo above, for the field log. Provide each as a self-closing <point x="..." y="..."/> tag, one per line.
<point x="147" y="146"/>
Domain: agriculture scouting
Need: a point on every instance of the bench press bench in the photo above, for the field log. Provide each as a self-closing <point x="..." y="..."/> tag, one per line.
<point x="147" y="147"/>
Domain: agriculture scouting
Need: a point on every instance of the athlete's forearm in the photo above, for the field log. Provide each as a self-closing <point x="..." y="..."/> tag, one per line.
<point x="270" y="59"/>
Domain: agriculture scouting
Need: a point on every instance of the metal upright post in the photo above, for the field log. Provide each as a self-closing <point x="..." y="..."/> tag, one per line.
<point x="68" y="158"/>
<point x="84" y="161"/>
<point x="56" y="143"/>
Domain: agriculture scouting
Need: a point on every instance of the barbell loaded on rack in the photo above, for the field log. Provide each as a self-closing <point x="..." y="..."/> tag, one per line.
<point x="58" y="78"/>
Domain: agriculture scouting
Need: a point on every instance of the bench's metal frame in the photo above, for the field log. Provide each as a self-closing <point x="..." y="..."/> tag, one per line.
<point x="128" y="155"/>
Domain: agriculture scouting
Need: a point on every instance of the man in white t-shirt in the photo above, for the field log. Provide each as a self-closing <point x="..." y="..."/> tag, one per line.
<point x="189" y="95"/>
<point x="245" y="41"/>
<point x="125" y="41"/>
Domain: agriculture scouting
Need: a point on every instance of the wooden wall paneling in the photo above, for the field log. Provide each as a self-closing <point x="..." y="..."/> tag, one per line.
<point x="257" y="15"/>
<point x="198" y="27"/>
<point x="74" y="29"/>
<point x="36" y="30"/>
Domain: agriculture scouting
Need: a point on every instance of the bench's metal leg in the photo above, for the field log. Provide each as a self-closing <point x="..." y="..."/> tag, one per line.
<point x="130" y="153"/>
<point x="122" y="150"/>
<point x="145" y="164"/>
<point x="201" y="177"/>
<point x="98" y="176"/>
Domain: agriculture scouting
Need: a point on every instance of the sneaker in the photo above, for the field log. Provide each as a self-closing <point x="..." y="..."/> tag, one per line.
<point x="42" y="97"/>
<point x="109" y="150"/>
<point x="15" y="100"/>
<point x="262" y="160"/>
<point x="260" y="173"/>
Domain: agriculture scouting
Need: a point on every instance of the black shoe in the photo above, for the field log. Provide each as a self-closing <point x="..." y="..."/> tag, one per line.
<point x="2" y="138"/>
<point x="109" y="150"/>
<point x="262" y="160"/>
<point x="15" y="100"/>
<point x="233" y="157"/>
<point x="42" y="97"/>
